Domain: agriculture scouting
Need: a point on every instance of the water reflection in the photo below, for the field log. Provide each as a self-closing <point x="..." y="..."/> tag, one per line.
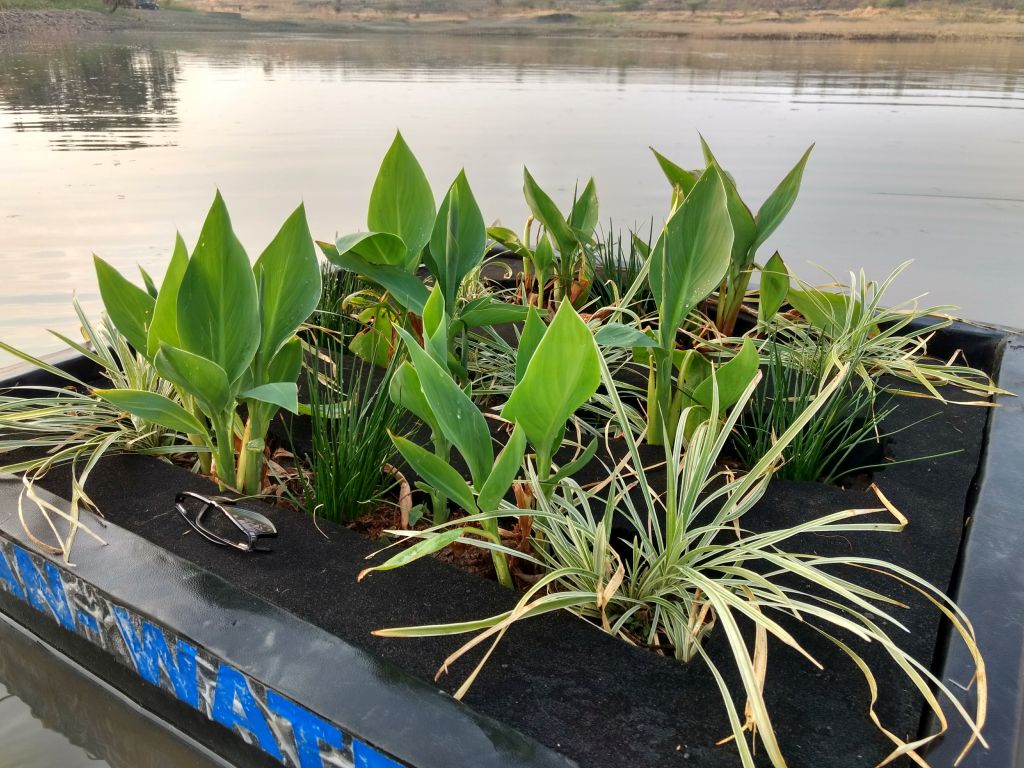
<point x="51" y="715"/>
<point x="919" y="150"/>
<point x="93" y="97"/>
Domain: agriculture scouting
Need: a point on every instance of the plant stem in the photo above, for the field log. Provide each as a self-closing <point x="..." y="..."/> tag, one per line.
<point x="224" y="433"/>
<point x="730" y="301"/>
<point x="438" y="500"/>
<point x="249" y="477"/>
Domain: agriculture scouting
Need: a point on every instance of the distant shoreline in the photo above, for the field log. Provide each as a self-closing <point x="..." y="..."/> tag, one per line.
<point x="916" y="24"/>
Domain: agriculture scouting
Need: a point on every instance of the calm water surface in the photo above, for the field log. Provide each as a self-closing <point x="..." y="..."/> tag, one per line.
<point x="109" y="146"/>
<point x="52" y="716"/>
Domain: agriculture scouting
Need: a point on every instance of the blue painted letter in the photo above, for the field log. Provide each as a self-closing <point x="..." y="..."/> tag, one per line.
<point x="7" y="576"/>
<point x="45" y="594"/>
<point x="309" y="730"/>
<point x="151" y="654"/>
<point x="234" y="705"/>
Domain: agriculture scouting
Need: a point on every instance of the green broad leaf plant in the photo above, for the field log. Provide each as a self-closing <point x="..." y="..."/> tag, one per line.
<point x="223" y="332"/>
<point x="750" y="231"/>
<point x="560" y="250"/>
<point x="559" y="371"/>
<point x="406" y="233"/>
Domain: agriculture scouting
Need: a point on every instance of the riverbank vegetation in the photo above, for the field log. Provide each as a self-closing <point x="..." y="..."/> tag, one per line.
<point x="713" y="19"/>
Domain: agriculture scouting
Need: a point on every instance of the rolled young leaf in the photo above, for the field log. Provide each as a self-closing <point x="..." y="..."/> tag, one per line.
<point x="458" y="238"/>
<point x="773" y="289"/>
<point x="164" y="326"/>
<point x="744" y="226"/>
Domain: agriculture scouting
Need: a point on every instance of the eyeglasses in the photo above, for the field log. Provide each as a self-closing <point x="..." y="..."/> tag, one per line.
<point x="225" y="524"/>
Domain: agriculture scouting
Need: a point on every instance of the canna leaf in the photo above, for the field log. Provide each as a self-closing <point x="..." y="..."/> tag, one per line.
<point x="544" y="256"/>
<point x="624" y="336"/>
<point x="504" y="472"/>
<point x="510" y="240"/>
<point x="164" y="325"/>
<point x="677" y="176"/>
<point x="692" y="254"/>
<point x="733" y="379"/>
<point x="402" y="202"/>
<point x="583" y="217"/>
<point x="744" y="226"/>
<point x="201" y="378"/>
<point x="774" y="287"/>
<point x="533" y="331"/>
<point x="287" y="363"/>
<point x="218" y="308"/>
<point x="147" y="281"/>
<point x="458" y="238"/>
<point x="406" y="288"/>
<point x="456" y="414"/>
<point x="380" y="248"/>
<point x="437" y="472"/>
<point x="578" y="463"/>
<point x="153" y="408"/>
<point x="547" y="213"/>
<point x="490" y="311"/>
<point x="283" y="394"/>
<point x="824" y="310"/>
<point x="406" y="392"/>
<point x="129" y="307"/>
<point x="563" y="373"/>
<point x="288" y="276"/>
<point x="779" y="203"/>
<point x="434" y="543"/>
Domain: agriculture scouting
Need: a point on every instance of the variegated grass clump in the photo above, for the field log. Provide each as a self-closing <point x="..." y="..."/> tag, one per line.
<point x="671" y="586"/>
<point x="877" y="340"/>
<point x="70" y="425"/>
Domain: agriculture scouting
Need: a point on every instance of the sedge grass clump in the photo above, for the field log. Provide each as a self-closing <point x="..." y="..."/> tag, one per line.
<point x="617" y="263"/>
<point x="848" y="426"/>
<point x="351" y="418"/>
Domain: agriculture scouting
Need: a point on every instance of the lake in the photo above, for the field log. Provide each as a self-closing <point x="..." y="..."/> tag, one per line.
<point x="109" y="145"/>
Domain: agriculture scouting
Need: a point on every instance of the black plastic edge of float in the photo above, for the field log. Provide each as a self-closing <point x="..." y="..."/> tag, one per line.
<point x="363" y="697"/>
<point x="989" y="586"/>
<point x="254" y="683"/>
